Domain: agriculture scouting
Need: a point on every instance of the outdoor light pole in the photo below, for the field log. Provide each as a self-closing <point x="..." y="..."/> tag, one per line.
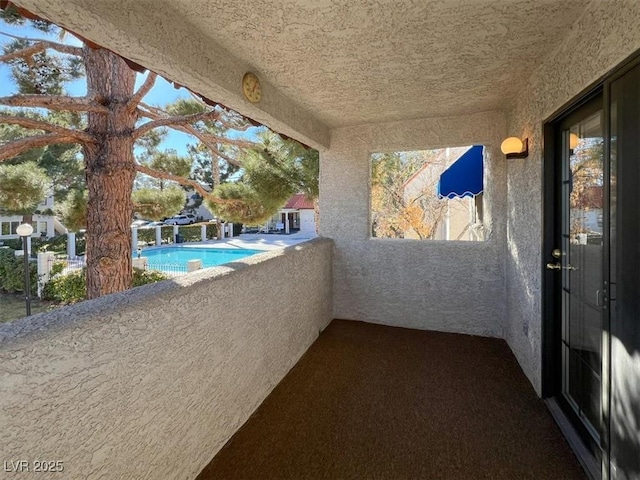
<point x="25" y="230"/>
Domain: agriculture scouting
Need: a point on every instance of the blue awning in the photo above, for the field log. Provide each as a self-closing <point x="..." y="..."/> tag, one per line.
<point x="464" y="177"/>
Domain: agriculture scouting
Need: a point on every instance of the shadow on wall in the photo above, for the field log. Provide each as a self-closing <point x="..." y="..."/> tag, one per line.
<point x="526" y="283"/>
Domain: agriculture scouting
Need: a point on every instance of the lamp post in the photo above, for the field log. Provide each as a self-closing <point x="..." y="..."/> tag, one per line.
<point x="25" y="230"/>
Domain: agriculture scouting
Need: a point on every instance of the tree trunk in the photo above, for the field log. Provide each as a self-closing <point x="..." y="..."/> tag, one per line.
<point x="28" y="218"/>
<point x="110" y="172"/>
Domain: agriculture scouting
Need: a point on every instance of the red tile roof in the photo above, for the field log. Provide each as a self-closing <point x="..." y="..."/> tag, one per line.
<point x="299" y="201"/>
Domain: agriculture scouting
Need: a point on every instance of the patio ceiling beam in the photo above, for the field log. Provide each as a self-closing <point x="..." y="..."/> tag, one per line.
<point x="167" y="44"/>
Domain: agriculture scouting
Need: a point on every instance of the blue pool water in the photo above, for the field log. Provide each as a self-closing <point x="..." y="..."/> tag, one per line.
<point x="180" y="255"/>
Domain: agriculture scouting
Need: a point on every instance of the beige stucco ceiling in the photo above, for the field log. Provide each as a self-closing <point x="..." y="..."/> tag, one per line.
<point x="330" y="63"/>
<point x="356" y="62"/>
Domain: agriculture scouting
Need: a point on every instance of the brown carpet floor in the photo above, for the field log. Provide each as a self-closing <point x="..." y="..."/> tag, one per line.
<point x="375" y="402"/>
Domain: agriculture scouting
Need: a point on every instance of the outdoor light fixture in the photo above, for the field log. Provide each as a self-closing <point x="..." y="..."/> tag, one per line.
<point x="513" y="147"/>
<point x="25" y="230"/>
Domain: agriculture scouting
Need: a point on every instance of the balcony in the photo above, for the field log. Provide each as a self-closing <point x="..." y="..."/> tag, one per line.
<point x="153" y="382"/>
<point x="371" y="401"/>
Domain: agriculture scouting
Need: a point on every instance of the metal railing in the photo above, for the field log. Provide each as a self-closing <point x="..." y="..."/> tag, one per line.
<point x="172" y="269"/>
<point x="68" y="264"/>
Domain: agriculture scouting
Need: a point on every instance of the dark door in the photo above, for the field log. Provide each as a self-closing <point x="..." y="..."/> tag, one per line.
<point x="592" y="281"/>
<point x="578" y="260"/>
<point x="625" y="276"/>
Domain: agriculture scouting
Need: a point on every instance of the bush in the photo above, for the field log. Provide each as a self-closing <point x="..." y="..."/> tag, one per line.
<point x="16" y="244"/>
<point x="144" y="277"/>
<point x="12" y="273"/>
<point x="147" y="235"/>
<point x="58" y="244"/>
<point x="72" y="287"/>
<point x="190" y="233"/>
<point x="66" y="289"/>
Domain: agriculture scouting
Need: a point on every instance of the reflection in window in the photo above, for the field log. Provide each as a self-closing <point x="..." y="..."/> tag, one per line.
<point x="586" y="181"/>
<point x="407" y="201"/>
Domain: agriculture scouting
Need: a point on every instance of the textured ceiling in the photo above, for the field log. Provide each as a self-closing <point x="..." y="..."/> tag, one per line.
<point x="353" y="62"/>
<point x="343" y="62"/>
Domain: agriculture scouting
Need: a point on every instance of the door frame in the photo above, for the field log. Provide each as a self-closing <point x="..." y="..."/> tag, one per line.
<point x="551" y="330"/>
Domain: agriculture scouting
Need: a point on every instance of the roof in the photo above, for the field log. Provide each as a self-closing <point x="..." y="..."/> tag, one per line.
<point x="300" y="202"/>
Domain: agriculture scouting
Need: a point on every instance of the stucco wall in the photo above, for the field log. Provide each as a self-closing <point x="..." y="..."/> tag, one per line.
<point x="437" y="285"/>
<point x="601" y="38"/>
<point x="150" y="383"/>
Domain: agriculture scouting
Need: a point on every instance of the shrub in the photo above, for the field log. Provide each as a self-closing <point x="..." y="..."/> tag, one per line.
<point x="12" y="272"/>
<point x="16" y="244"/>
<point x="72" y="287"/>
<point x="191" y="233"/>
<point x="147" y="235"/>
<point x="58" y="244"/>
<point x="66" y="289"/>
<point x="144" y="277"/>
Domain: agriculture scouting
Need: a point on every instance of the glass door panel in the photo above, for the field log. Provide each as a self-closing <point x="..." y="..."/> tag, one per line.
<point x="582" y="268"/>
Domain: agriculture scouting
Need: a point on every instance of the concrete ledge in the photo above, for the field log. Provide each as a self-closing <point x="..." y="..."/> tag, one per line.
<point x="150" y="383"/>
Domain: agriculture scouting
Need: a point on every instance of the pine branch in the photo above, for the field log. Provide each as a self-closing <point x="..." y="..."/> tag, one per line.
<point x="174" y="121"/>
<point x="39" y="46"/>
<point x="223" y="156"/>
<point x="30" y="123"/>
<point x="16" y="147"/>
<point x="143" y="90"/>
<point x="184" y="182"/>
<point x="55" y="102"/>
<point x="155" y="113"/>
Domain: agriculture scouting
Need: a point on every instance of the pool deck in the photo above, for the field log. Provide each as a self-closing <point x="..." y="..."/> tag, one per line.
<point x="253" y="241"/>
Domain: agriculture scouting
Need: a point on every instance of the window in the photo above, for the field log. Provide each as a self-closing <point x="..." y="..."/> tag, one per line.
<point x="428" y="194"/>
<point x="9" y="228"/>
<point x="42" y="228"/>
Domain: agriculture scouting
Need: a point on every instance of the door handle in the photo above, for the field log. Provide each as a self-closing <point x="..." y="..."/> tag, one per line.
<point x="601" y="298"/>
<point x="557" y="266"/>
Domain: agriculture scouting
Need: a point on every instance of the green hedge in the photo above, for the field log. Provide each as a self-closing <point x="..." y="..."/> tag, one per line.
<point x="193" y="233"/>
<point x="58" y="244"/>
<point x="16" y="244"/>
<point x="190" y="233"/>
<point x="12" y="272"/>
<point x="72" y="287"/>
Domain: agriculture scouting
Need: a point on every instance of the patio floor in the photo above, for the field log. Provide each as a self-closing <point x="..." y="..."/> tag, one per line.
<point x="375" y="402"/>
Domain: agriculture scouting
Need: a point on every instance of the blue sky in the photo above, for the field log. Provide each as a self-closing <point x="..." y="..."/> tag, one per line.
<point x="161" y="94"/>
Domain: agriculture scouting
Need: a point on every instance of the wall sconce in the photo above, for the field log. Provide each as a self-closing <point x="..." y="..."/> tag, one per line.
<point x="513" y="147"/>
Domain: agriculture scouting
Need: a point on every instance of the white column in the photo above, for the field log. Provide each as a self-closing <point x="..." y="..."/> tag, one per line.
<point x="175" y="232"/>
<point x="134" y="239"/>
<point x="29" y="246"/>
<point x="221" y="234"/>
<point x="45" y="262"/>
<point x="203" y="232"/>
<point x="230" y="227"/>
<point x="158" y="236"/>
<point x="71" y="245"/>
<point x="286" y="223"/>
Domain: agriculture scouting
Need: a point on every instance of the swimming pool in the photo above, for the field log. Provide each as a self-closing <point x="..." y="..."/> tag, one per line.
<point x="158" y="258"/>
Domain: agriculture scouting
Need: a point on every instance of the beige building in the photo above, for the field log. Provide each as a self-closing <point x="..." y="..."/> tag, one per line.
<point x="154" y="382"/>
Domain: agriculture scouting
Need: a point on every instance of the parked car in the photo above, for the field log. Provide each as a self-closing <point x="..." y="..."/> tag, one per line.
<point x="153" y="224"/>
<point x="187" y="219"/>
<point x="139" y="223"/>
